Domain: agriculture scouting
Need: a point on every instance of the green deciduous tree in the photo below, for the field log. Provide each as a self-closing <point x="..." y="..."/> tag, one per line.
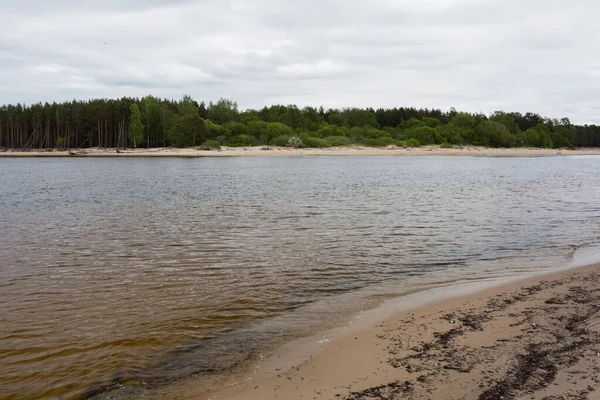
<point x="153" y="120"/>
<point x="236" y="128"/>
<point x="564" y="133"/>
<point x="257" y="129"/>
<point x="276" y="129"/>
<point x="506" y="119"/>
<point x="357" y="117"/>
<point x="336" y="119"/>
<point x="424" y="134"/>
<point x="223" y="111"/>
<point x="495" y="134"/>
<point x="136" y="127"/>
<point x="463" y="120"/>
<point x="188" y="129"/>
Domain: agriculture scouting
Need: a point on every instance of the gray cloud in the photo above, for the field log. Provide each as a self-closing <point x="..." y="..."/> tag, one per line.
<point x="476" y="55"/>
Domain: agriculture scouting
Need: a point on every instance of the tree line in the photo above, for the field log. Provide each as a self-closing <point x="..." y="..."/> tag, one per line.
<point x="154" y="122"/>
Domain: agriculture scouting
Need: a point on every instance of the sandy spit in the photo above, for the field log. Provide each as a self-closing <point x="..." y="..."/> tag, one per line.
<point x="285" y="151"/>
<point x="537" y="338"/>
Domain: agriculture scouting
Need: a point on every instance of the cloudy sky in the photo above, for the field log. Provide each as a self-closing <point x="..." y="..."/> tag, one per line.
<point x="475" y="55"/>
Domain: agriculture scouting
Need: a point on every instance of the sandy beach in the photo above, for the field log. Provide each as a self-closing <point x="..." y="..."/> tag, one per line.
<point x="534" y="338"/>
<point x="286" y="151"/>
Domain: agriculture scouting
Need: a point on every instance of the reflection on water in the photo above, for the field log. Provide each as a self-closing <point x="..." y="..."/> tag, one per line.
<point x="116" y="275"/>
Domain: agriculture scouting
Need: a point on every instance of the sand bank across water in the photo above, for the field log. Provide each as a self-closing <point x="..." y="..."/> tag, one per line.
<point x="285" y="151"/>
<point x="535" y="338"/>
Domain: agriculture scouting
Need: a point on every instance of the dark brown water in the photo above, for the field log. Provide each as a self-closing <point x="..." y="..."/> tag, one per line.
<point x="117" y="276"/>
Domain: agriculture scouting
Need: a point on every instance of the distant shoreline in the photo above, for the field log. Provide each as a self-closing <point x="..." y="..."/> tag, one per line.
<point x="259" y="151"/>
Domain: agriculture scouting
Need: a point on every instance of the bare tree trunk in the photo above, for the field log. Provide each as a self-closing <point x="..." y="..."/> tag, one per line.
<point x="32" y="140"/>
<point x="44" y="142"/>
<point x="122" y="139"/>
<point x="12" y="134"/>
<point x="47" y="132"/>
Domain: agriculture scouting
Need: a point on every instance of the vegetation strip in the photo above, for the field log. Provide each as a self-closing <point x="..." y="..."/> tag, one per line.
<point x="152" y="122"/>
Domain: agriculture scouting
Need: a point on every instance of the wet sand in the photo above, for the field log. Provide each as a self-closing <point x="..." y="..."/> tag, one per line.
<point x="285" y="151"/>
<point x="535" y="338"/>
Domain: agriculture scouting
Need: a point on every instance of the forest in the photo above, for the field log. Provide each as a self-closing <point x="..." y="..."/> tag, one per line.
<point x="155" y="122"/>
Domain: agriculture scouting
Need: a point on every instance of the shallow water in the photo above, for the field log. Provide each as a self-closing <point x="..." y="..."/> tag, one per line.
<point x="118" y="275"/>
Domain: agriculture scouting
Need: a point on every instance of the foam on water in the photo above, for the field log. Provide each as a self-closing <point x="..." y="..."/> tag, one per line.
<point x="586" y="254"/>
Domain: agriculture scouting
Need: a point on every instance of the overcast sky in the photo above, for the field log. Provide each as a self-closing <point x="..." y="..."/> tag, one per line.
<point x="475" y="55"/>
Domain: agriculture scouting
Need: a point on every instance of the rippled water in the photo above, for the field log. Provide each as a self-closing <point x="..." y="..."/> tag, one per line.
<point x="118" y="275"/>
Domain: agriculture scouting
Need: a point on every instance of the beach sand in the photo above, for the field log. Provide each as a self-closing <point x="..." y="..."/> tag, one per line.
<point x="286" y="151"/>
<point x="533" y="338"/>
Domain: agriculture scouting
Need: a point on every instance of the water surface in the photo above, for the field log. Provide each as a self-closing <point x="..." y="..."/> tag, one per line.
<point x="118" y="275"/>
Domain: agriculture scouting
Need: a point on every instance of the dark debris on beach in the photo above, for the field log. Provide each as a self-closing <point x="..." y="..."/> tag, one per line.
<point x="550" y="351"/>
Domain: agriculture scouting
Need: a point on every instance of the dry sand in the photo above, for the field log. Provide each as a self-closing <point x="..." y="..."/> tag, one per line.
<point x="531" y="339"/>
<point x="285" y="151"/>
